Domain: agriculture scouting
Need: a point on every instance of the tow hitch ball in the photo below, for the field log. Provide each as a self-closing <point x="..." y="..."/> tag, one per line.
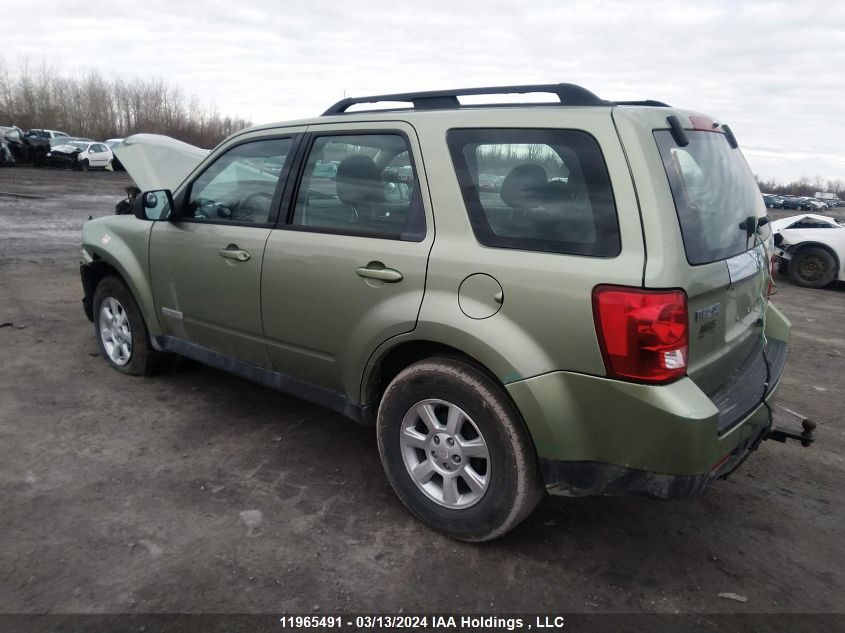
<point x="806" y="437"/>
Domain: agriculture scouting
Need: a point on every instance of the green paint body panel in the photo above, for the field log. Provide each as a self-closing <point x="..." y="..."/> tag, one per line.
<point x="322" y="321"/>
<point x="669" y="429"/>
<point x="207" y="299"/>
<point x="122" y="242"/>
<point x="298" y="308"/>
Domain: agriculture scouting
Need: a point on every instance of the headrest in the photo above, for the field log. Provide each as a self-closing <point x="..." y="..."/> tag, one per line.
<point x="524" y="187"/>
<point x="358" y="180"/>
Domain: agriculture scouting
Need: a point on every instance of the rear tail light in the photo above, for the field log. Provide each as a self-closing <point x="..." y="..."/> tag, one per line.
<point x="643" y="334"/>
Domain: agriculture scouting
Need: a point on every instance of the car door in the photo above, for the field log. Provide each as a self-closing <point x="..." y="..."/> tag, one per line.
<point x="99" y="156"/>
<point x="206" y="265"/>
<point x="346" y="269"/>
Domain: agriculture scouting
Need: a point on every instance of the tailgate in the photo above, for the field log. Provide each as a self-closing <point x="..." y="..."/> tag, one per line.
<point x="726" y="319"/>
<point x="722" y="266"/>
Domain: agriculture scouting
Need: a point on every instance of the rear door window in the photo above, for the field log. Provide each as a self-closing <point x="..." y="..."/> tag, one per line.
<point x="539" y="190"/>
<point x="714" y="192"/>
<point x="360" y="184"/>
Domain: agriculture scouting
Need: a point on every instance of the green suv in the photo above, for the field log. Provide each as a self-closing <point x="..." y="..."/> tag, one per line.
<point x="597" y="321"/>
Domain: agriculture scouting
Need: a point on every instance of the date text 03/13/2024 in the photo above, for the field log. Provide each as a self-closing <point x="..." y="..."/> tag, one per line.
<point x="428" y="622"/>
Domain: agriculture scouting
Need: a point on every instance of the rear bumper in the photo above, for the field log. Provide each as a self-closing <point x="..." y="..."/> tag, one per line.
<point x="579" y="479"/>
<point x="595" y="435"/>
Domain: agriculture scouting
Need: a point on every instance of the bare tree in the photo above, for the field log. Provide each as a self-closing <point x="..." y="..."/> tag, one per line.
<point x="90" y="105"/>
<point x="802" y="187"/>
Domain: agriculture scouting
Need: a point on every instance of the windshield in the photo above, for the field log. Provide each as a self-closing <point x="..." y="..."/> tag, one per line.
<point x="78" y="145"/>
<point x="714" y="192"/>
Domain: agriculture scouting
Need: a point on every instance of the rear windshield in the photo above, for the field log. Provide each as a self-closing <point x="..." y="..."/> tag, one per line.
<point x="714" y="192"/>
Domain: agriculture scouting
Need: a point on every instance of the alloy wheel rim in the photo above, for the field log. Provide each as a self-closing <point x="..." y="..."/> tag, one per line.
<point x="811" y="268"/>
<point x="115" y="333"/>
<point x="445" y="454"/>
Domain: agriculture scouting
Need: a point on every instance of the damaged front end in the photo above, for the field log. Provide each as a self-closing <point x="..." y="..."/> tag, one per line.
<point x="21" y="149"/>
<point x="64" y="156"/>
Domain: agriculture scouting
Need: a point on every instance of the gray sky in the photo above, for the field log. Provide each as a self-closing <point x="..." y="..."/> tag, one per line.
<point x="775" y="71"/>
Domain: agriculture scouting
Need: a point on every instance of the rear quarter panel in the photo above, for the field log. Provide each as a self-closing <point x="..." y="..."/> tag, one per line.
<point x="546" y="319"/>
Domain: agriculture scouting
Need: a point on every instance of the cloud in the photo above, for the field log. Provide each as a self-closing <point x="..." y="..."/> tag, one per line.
<point x="770" y="69"/>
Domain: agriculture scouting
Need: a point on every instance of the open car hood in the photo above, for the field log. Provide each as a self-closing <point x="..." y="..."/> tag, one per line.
<point x="65" y="149"/>
<point x="780" y="225"/>
<point x="155" y="161"/>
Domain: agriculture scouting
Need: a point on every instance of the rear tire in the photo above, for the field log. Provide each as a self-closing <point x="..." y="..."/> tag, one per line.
<point x="456" y="451"/>
<point x="122" y="336"/>
<point x="812" y="267"/>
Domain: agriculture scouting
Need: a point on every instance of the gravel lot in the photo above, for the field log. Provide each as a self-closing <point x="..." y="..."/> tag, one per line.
<point x="197" y="491"/>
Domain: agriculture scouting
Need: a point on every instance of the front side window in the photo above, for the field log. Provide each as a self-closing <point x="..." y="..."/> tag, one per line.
<point x="714" y="192"/>
<point x="241" y="184"/>
<point x="539" y="190"/>
<point x="360" y="184"/>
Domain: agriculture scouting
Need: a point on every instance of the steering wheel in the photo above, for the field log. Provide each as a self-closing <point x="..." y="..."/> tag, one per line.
<point x="255" y="203"/>
<point x="208" y="209"/>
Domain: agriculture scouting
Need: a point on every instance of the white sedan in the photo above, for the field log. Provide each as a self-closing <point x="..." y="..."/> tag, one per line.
<point x="810" y="249"/>
<point x="91" y="153"/>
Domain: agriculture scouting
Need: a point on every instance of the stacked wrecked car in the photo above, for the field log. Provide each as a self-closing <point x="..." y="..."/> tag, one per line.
<point x="17" y="148"/>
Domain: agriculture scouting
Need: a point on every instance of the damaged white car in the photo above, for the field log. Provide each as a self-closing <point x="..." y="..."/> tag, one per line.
<point x="810" y="249"/>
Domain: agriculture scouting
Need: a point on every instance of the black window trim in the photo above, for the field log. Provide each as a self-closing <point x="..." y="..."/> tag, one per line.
<point x="476" y="214"/>
<point x="278" y="194"/>
<point x="285" y="220"/>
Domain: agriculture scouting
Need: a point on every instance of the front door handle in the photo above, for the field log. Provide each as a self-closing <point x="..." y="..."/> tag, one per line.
<point x="376" y="271"/>
<point x="233" y="252"/>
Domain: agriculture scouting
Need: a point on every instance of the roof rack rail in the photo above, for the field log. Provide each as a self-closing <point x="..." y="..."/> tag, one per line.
<point x="647" y="102"/>
<point x="569" y="95"/>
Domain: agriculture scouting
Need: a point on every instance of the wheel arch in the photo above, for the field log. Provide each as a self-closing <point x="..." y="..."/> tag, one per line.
<point x="92" y="274"/>
<point x="387" y="362"/>
<point x="796" y="248"/>
<point x="101" y="267"/>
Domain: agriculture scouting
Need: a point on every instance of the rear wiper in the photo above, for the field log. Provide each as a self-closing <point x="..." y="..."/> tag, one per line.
<point x="752" y="223"/>
<point x="730" y="136"/>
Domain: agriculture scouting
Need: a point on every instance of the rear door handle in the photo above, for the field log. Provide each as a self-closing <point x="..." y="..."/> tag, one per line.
<point x="387" y="275"/>
<point x="233" y="252"/>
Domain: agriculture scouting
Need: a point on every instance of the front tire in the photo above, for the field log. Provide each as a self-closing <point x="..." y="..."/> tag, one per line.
<point x="84" y="165"/>
<point x="122" y="336"/>
<point x="456" y="451"/>
<point x="812" y="267"/>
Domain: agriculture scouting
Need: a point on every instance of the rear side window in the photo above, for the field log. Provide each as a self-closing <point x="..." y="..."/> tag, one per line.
<point x="714" y="192"/>
<point x="537" y="190"/>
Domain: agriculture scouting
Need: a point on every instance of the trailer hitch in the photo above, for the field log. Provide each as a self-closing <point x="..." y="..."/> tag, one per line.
<point x="805" y="437"/>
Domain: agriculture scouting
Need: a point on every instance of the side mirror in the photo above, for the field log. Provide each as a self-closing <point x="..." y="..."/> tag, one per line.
<point x="153" y="205"/>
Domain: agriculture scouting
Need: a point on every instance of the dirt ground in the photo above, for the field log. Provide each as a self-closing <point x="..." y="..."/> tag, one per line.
<point x="196" y="491"/>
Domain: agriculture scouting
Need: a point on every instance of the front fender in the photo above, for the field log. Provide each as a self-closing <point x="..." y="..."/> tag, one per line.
<point x="122" y="242"/>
